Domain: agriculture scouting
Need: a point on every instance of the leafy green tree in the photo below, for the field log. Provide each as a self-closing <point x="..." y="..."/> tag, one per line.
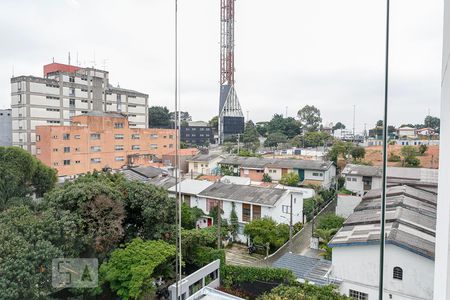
<point x="100" y="207"/>
<point x="158" y="117"/>
<point x="310" y="118"/>
<point x="358" y="153"/>
<point x="330" y="221"/>
<point x="412" y="162"/>
<point x="266" y="178"/>
<point x="338" y="149"/>
<point x="234" y="221"/>
<point x="189" y="216"/>
<point x="409" y="154"/>
<point x="184" y="117"/>
<point x="28" y="243"/>
<point x="251" y="137"/>
<point x="290" y="179"/>
<point x="338" y="125"/>
<point x="44" y="179"/>
<point x="288" y="126"/>
<point x="274" y="139"/>
<point x="423" y="149"/>
<point x="303" y="291"/>
<point x="408" y="151"/>
<point x="214" y="123"/>
<point x="131" y="271"/>
<point x="150" y="212"/>
<point x="266" y="231"/>
<point x="261" y="127"/>
<point x="198" y="246"/>
<point x="432" y="122"/>
<point x="316" y="138"/>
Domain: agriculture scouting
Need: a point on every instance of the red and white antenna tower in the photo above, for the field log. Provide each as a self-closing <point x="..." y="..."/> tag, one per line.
<point x="231" y="118"/>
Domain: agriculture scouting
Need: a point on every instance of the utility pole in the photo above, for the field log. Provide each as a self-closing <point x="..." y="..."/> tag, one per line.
<point x="286" y="112"/>
<point x="354" y="108"/>
<point x="290" y="226"/>
<point x="239" y="143"/>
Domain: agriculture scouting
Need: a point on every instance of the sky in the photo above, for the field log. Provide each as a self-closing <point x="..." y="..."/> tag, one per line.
<point x="288" y="53"/>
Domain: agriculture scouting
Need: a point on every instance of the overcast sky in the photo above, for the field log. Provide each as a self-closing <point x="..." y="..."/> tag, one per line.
<point x="326" y="53"/>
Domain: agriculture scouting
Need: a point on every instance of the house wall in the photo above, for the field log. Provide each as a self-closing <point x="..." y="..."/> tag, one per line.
<point x="274" y="173"/>
<point x="254" y="175"/>
<point x="346" y="205"/>
<point x="50" y="144"/>
<point x="354" y="183"/>
<point x="203" y="167"/>
<point x="358" y="267"/>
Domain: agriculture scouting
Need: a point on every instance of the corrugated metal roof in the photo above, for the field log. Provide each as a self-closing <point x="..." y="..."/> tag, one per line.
<point x="410" y="221"/>
<point x="309" y="269"/>
<point x="243" y="193"/>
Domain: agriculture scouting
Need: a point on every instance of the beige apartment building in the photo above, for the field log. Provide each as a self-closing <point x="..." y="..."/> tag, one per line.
<point x="98" y="140"/>
<point x="66" y="91"/>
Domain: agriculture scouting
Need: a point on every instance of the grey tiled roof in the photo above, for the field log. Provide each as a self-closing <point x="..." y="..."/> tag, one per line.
<point x="164" y="182"/>
<point x="203" y="157"/>
<point x="261" y="163"/>
<point x="306" y="268"/>
<point x="130" y="175"/>
<point x="149" y="172"/>
<point x="243" y="193"/>
<point x="361" y="170"/>
<point x="410" y="221"/>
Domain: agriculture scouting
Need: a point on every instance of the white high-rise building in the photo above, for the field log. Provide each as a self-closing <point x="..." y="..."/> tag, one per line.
<point x="65" y="91"/>
<point x="442" y="260"/>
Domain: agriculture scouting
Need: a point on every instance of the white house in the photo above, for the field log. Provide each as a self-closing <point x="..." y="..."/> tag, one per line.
<point x="360" y="179"/>
<point x="204" y="164"/>
<point x="409" y="252"/>
<point x="408" y="132"/>
<point x="189" y="188"/>
<point x="251" y="202"/>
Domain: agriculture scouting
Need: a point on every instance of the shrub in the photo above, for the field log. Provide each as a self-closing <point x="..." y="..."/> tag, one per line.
<point x="393" y="157"/>
<point x="266" y="231"/>
<point x="266" y="178"/>
<point x="330" y="221"/>
<point x="290" y="179"/>
<point x="234" y="275"/>
<point x="423" y="149"/>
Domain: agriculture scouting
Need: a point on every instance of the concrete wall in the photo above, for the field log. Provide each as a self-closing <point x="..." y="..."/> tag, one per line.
<point x="346" y="205"/>
<point x="442" y="274"/>
<point x="358" y="267"/>
<point x="5" y="127"/>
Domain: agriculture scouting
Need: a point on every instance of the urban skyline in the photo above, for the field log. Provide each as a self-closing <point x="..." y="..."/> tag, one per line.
<point x="302" y="71"/>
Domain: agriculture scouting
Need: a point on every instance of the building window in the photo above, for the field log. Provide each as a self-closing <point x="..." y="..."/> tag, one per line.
<point x="317" y="174"/>
<point x="77" y="149"/>
<point x="118" y="136"/>
<point x="120" y="158"/>
<point x="118" y="148"/>
<point x="96" y="160"/>
<point x="71" y="102"/>
<point x="135" y="147"/>
<point x="398" y="273"/>
<point x="210" y="204"/>
<point x="55" y="149"/>
<point x="72" y="92"/>
<point x="38" y="150"/>
<point x="171" y="136"/>
<point x="353" y="179"/>
<point x="358" y="295"/>
<point x="38" y="138"/>
<point x="256" y="212"/>
<point x="118" y="125"/>
<point x="52" y="109"/>
<point x="71" y="79"/>
<point x="153" y="136"/>
<point x="67" y="162"/>
<point x="53" y="122"/>
<point x="135" y="136"/>
<point x="77" y="137"/>
<point x="66" y="149"/>
<point x="245" y="212"/>
<point x="55" y="163"/>
<point x="66" y="136"/>
<point x="77" y="161"/>
<point x="96" y="149"/>
<point x="170" y="146"/>
<point x="95" y="136"/>
<point x="286" y="209"/>
<point x="349" y="179"/>
<point x="153" y="146"/>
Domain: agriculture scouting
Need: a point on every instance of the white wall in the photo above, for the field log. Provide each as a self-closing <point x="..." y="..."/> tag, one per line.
<point x="354" y="183"/>
<point x="358" y="267"/>
<point x="442" y="274"/>
<point x="346" y="205"/>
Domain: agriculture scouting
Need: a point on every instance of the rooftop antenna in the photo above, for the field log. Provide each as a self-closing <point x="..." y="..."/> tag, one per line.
<point x="77" y="59"/>
<point x="69" y="58"/>
<point x="104" y="64"/>
<point x="53" y="59"/>
<point x="286" y="112"/>
<point x="12" y="70"/>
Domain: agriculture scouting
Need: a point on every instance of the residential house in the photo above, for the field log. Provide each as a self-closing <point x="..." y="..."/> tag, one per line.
<point x="408" y="132"/>
<point x="184" y="155"/>
<point x="189" y="189"/>
<point x="360" y="179"/>
<point x="143" y="173"/>
<point x="205" y="164"/>
<point x="310" y="171"/>
<point x="409" y="249"/>
<point x="251" y="203"/>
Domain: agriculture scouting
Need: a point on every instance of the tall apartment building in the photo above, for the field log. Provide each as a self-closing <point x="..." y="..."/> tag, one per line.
<point x="66" y="91"/>
<point x="98" y="140"/>
<point x="5" y="127"/>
